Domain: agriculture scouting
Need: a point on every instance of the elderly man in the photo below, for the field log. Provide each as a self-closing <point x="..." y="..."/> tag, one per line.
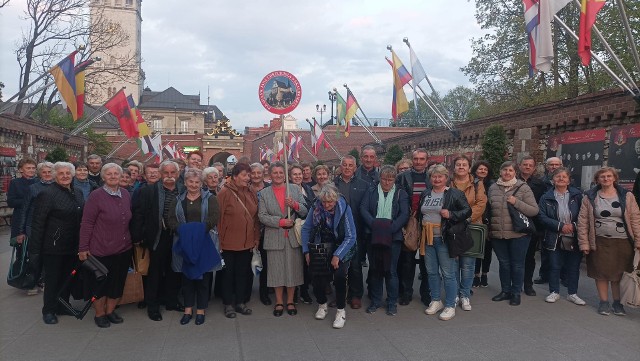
<point x="367" y="171"/>
<point x="94" y="164"/>
<point x="414" y="182"/>
<point x="307" y="172"/>
<point x="551" y="165"/>
<point x="149" y="227"/>
<point x="353" y="189"/>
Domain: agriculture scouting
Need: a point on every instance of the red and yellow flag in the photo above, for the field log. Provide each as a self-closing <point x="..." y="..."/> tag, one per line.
<point x="588" y="13"/>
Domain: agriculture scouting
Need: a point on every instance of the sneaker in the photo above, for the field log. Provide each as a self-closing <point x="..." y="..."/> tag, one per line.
<point x="322" y="312"/>
<point x="392" y="310"/>
<point x="476" y="281"/>
<point x="372" y="308"/>
<point x="604" y="308"/>
<point x="457" y="301"/>
<point x="575" y="299"/>
<point x="434" y="307"/>
<point x="483" y="281"/>
<point x="341" y="317"/>
<point x="552" y="298"/>
<point x="618" y="310"/>
<point x="465" y="304"/>
<point x="32" y="292"/>
<point x="447" y="314"/>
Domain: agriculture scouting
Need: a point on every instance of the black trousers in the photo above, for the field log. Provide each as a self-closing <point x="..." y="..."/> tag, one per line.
<point x="57" y="269"/>
<point x="530" y="260"/>
<point x="235" y="276"/>
<point x="484" y="264"/>
<point x="196" y="292"/>
<point x="339" y="282"/>
<point x="161" y="279"/>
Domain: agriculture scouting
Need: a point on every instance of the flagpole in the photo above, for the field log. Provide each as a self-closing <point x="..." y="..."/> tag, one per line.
<point x="632" y="44"/>
<point x="326" y="139"/>
<point x="86" y="125"/>
<point x="606" y="68"/>
<point x="286" y="165"/>
<point x="308" y="151"/>
<point x="8" y="105"/>
<point x="122" y="143"/>
<point x="373" y="135"/>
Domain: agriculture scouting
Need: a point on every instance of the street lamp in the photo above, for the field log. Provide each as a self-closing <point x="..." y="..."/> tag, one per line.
<point x="321" y="109"/>
<point x="175" y="120"/>
<point x="332" y="98"/>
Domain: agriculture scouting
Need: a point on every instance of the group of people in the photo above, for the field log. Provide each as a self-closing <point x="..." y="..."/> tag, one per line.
<point x="203" y="227"/>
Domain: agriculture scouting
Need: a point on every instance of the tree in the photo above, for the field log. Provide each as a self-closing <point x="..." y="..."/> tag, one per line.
<point x="494" y="148"/>
<point x="3" y="3"/>
<point x="58" y="154"/>
<point x="356" y="154"/>
<point x="98" y="143"/>
<point x="394" y="154"/>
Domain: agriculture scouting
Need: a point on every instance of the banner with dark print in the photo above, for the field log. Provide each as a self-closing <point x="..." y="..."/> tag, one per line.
<point x="581" y="152"/>
<point x="624" y="153"/>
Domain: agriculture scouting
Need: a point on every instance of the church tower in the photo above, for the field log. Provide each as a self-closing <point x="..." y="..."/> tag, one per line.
<point x="116" y="38"/>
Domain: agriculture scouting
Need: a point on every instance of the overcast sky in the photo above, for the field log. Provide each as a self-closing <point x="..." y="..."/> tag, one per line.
<point x="231" y="45"/>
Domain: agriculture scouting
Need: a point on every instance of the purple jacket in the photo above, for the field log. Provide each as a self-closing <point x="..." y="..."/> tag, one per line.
<point x="104" y="230"/>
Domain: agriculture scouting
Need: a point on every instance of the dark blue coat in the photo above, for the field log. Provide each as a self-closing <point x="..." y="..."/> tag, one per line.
<point x="399" y="211"/>
<point x="548" y="216"/>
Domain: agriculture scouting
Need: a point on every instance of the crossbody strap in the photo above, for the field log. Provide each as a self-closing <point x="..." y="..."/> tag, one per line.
<point x="241" y="203"/>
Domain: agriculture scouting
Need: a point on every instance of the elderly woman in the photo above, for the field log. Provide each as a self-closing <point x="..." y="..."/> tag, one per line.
<point x="329" y="228"/>
<point x="481" y="170"/>
<point x="54" y="236"/>
<point x="296" y="177"/>
<point x="278" y="207"/>
<point x="239" y="233"/>
<point x="18" y="191"/>
<point x="477" y="198"/>
<point x="104" y="233"/>
<point x="211" y="179"/>
<point x="321" y="174"/>
<point x="125" y="180"/>
<point x="440" y="208"/>
<point x="608" y="232"/>
<point x="257" y="182"/>
<point x="193" y="215"/>
<point x="403" y="165"/>
<point x="385" y="210"/>
<point x="82" y="181"/>
<point x="510" y="246"/>
<point x="559" y="208"/>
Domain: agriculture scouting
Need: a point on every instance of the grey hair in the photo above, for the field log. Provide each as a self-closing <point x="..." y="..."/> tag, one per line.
<point x="59" y="165"/>
<point x="388" y="169"/>
<point x="44" y="165"/>
<point x="329" y="193"/>
<point x="508" y="164"/>
<point x="438" y="169"/>
<point x="169" y="163"/>
<point x="137" y="164"/>
<point x="94" y="156"/>
<point x="349" y="156"/>
<point x="258" y="166"/>
<point x="209" y="170"/>
<point x="368" y="147"/>
<point x="108" y="166"/>
<point x="217" y="164"/>
<point x="193" y="173"/>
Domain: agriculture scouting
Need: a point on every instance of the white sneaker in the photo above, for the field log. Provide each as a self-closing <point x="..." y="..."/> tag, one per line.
<point x="322" y="312"/>
<point x="552" y="298"/>
<point x="33" y="291"/>
<point x="465" y="304"/>
<point x="434" y="307"/>
<point x="457" y="301"/>
<point x="341" y="317"/>
<point x="447" y="314"/>
<point x="577" y="300"/>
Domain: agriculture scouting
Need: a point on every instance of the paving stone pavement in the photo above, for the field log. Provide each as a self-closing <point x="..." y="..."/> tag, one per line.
<point x="535" y="330"/>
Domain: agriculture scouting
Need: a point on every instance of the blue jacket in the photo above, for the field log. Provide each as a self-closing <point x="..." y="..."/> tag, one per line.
<point x="399" y="211"/>
<point x="343" y="228"/>
<point x="548" y="216"/>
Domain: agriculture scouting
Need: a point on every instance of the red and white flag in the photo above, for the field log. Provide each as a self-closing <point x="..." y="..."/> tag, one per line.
<point x="317" y="138"/>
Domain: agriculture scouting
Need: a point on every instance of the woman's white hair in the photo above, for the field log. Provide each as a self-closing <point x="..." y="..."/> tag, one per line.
<point x="59" y="165"/>
<point x="108" y="166"/>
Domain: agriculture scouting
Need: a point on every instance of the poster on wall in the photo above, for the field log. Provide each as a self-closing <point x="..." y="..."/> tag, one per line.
<point x="624" y="153"/>
<point x="581" y="152"/>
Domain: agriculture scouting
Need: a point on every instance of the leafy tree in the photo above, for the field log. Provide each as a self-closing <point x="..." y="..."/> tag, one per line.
<point x="394" y="154"/>
<point x="58" y="154"/>
<point x="494" y="147"/>
<point x="356" y="154"/>
<point x="98" y="143"/>
<point x="459" y="104"/>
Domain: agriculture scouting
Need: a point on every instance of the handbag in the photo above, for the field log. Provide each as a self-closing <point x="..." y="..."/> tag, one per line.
<point x="411" y="233"/>
<point x="22" y="274"/>
<point x="141" y="259"/>
<point x="297" y="229"/>
<point x="256" y="262"/>
<point x="479" y="236"/>
<point x="458" y="238"/>
<point x="133" y="291"/>
<point x="381" y="232"/>
<point x="520" y="222"/>
<point x="320" y="255"/>
<point x="630" y="284"/>
<point x="566" y="243"/>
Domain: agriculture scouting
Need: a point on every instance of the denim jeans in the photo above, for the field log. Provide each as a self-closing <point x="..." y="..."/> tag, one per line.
<point x="390" y="278"/>
<point x="438" y="262"/>
<point x="465" y="275"/>
<point x="511" y="254"/>
<point x="568" y="261"/>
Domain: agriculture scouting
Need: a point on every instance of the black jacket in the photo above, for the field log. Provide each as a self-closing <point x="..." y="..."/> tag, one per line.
<point x="146" y="220"/>
<point x="404" y="180"/>
<point x="356" y="194"/>
<point x="372" y="177"/>
<point x="548" y="216"/>
<point x="399" y="211"/>
<point x="55" y="225"/>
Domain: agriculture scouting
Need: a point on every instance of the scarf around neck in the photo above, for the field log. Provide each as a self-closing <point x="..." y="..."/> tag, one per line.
<point x="507" y="185"/>
<point x="385" y="204"/>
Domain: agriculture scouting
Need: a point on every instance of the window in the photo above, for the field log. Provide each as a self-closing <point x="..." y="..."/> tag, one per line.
<point x="117" y="3"/>
<point x="184" y="126"/>
<point x="157" y="125"/>
<point x="128" y="3"/>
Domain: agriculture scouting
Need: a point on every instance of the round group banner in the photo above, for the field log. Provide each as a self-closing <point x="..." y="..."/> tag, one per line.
<point x="280" y="92"/>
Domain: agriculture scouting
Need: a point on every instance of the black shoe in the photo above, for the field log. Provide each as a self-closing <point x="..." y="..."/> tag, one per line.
<point x="186" y="318"/>
<point x="50" y="318"/>
<point x="265" y="300"/>
<point x="404" y="301"/>
<point x="291" y="309"/>
<point x="113" y="317"/>
<point x="515" y="300"/>
<point x="278" y="310"/>
<point x="540" y="281"/>
<point x="199" y="319"/>
<point x="178" y="307"/>
<point x="483" y="281"/>
<point x="229" y="312"/>
<point x="154" y="315"/>
<point x="529" y="291"/>
<point x="306" y="298"/>
<point x="502" y="296"/>
<point x="102" y="322"/>
<point x="476" y="282"/>
<point x="142" y="305"/>
<point x="243" y="309"/>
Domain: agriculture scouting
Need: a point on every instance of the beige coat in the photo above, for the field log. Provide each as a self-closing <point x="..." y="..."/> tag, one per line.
<point x="476" y="197"/>
<point x="270" y="214"/>
<point x="501" y="226"/>
<point x="586" y="223"/>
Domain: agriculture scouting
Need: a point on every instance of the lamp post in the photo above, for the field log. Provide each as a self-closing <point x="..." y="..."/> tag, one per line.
<point x="332" y="98"/>
<point x="321" y="109"/>
<point x="175" y="120"/>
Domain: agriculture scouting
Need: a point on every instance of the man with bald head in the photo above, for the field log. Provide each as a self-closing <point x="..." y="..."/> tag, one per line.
<point x="551" y="165"/>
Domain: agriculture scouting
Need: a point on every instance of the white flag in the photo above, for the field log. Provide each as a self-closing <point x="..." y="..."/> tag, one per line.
<point x="542" y="33"/>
